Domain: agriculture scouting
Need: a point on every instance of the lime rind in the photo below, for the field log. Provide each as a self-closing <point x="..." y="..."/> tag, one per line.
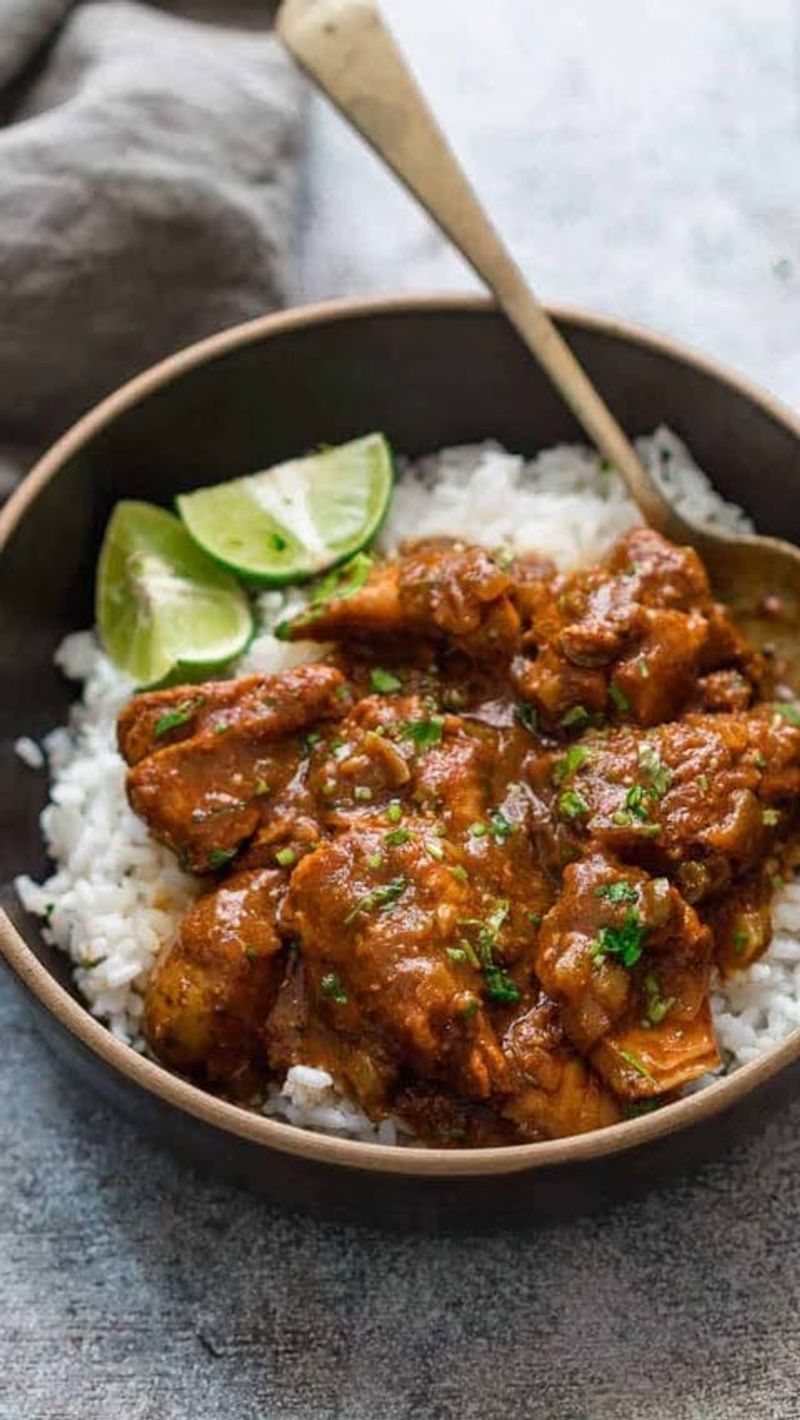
<point x="296" y="520"/>
<point x="163" y="605"/>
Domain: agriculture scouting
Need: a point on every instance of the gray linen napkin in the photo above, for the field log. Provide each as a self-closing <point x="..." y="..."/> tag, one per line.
<point x="146" y="188"/>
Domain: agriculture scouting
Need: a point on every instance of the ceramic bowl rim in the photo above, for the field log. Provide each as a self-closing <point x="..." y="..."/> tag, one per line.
<point x="246" y="1124"/>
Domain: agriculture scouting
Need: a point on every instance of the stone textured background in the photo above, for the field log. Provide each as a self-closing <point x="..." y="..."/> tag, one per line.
<point x="642" y="156"/>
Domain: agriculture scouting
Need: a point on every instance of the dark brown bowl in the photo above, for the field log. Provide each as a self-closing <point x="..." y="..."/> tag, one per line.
<point x="429" y="372"/>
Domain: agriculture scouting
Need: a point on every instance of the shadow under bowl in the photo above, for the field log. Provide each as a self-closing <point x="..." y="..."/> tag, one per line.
<point x="429" y="373"/>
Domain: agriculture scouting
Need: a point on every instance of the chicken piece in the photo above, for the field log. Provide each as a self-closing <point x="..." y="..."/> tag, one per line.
<point x="438" y="589"/>
<point x="628" y="961"/>
<point x="630" y="637"/>
<point x="741" y="921"/>
<point x="557" y="1093"/>
<point x="205" y="795"/>
<point x="276" y="704"/>
<point x="380" y="930"/>
<point x="296" y="1034"/>
<point x="212" y="987"/>
<point x="701" y="798"/>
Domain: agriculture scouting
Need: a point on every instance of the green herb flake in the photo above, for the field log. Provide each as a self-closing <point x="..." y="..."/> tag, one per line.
<point x="643" y="668"/>
<point x="396" y="836"/>
<point x="374" y="860"/>
<point x="618" y="696"/>
<point x="572" y="804"/>
<point x="702" y="782"/>
<point x="332" y="989"/>
<point x="179" y="716"/>
<point x="790" y="713"/>
<point x="657" y="1007"/>
<point x="741" y="939"/>
<point x="460" y="873"/>
<point x="286" y="857"/>
<point x="456" y="953"/>
<point x="394" y="812"/>
<point x="469" y="1008"/>
<point x="534" y="917"/>
<point x="625" y="943"/>
<point x="618" y="891"/>
<point x="575" y="718"/>
<point x="221" y="727"/>
<point x="478" y="830"/>
<point x="362" y="793"/>
<point x="382" y="897"/>
<point x="777" y="882"/>
<point x="500" y="987"/>
<point x="383" y="681"/>
<point x="575" y="756"/>
<point x="770" y="817"/>
<point x="435" y="850"/>
<point x="527" y="715"/>
<point x="636" y="1064"/>
<point x="424" y="734"/>
<point x="218" y="857"/>
<point x="759" y="760"/>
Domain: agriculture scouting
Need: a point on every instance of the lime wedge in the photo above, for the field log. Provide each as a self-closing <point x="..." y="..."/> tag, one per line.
<point x="163" y="606"/>
<point x="295" y="520"/>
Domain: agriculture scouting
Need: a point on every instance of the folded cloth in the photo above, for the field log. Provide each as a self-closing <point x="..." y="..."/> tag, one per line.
<point x="146" y="189"/>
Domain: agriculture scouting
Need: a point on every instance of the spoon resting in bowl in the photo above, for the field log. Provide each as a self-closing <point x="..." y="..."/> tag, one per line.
<point x="346" y="48"/>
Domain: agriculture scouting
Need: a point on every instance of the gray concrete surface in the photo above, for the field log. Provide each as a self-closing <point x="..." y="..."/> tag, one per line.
<point x="643" y="158"/>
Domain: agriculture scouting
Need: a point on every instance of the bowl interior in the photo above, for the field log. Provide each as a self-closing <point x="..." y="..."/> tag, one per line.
<point x="427" y="374"/>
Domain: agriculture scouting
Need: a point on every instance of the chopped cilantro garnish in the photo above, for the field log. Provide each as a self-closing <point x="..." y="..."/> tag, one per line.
<point x="181" y="713"/>
<point x="657" y="1007"/>
<point x="456" y="953"/>
<point x="500" y="987"/>
<point x="435" y="850"/>
<point x="618" y="696"/>
<point x="362" y="793"/>
<point x="618" y="891"/>
<point x="384" y="681"/>
<point x="374" y="860"/>
<point x="218" y="857"/>
<point x="478" y="830"/>
<point x="702" y="782"/>
<point x="396" y="836"/>
<point x="625" y="942"/>
<point x="634" y="802"/>
<point x="572" y="804"/>
<point x="740" y="940"/>
<point x="460" y="873"/>
<point x="261" y="787"/>
<point x="394" y="813"/>
<point x="534" y="917"/>
<point x="381" y="897"/>
<point x="790" y="713"/>
<point x="331" y="987"/>
<point x="643" y="668"/>
<point x="770" y="817"/>
<point x="503" y="827"/>
<point x="423" y="733"/>
<point x="575" y="756"/>
<point x="286" y="857"/>
<point x="577" y="716"/>
<point x="527" y="715"/>
<point x="637" y="1065"/>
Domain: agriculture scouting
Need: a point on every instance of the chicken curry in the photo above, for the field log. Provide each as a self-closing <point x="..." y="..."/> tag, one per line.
<point x="482" y="858"/>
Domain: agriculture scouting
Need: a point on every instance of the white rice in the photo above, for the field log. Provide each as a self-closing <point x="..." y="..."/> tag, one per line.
<point x="116" y="895"/>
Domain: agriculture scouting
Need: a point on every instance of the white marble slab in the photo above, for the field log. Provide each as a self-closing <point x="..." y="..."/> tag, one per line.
<point x="642" y="157"/>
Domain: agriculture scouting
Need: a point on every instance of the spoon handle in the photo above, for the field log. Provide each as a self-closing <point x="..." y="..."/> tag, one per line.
<point x="351" y="55"/>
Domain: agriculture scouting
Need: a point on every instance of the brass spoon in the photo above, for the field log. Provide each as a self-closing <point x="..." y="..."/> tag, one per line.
<point x="350" y="54"/>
